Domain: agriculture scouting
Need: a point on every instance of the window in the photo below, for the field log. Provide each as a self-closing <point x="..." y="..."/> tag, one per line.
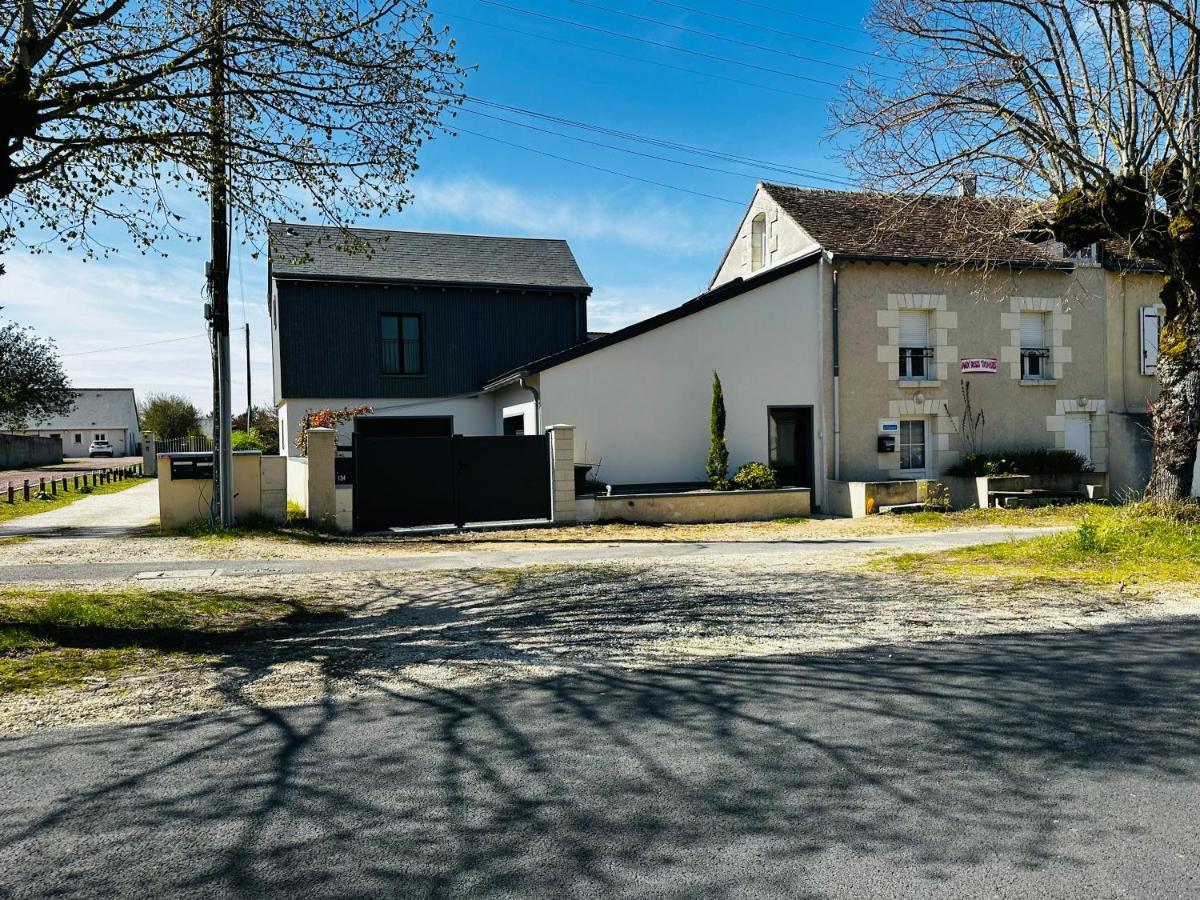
<point x="1083" y="254"/>
<point x="911" y="445"/>
<point x="1035" y="357"/>
<point x="401" y="344"/>
<point x="78" y="438"/>
<point x="758" y="241"/>
<point x="915" y="352"/>
<point x="99" y="436"/>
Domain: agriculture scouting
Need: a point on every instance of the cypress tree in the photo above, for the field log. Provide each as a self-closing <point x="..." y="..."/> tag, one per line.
<point x="718" y="453"/>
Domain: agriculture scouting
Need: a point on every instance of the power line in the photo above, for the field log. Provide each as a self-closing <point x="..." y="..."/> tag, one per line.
<point x="796" y="15"/>
<point x="795" y="35"/>
<point x="186" y="337"/>
<point x="654" y="156"/>
<point x="577" y="162"/>
<point x="662" y="44"/>
<point x="660" y="142"/>
<point x="716" y="37"/>
<point x="652" y="62"/>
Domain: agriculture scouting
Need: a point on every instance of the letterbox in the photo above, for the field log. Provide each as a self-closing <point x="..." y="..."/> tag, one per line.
<point x="886" y="443"/>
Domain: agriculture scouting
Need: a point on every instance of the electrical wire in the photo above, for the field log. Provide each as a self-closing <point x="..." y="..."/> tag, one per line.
<point x="186" y="337"/>
<point x="577" y="162"/>
<point x="663" y="44"/>
<point x="638" y="59"/>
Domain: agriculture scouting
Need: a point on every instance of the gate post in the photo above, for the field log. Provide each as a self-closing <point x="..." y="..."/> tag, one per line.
<point x="149" y="458"/>
<point x="562" y="473"/>
<point x="322" y="480"/>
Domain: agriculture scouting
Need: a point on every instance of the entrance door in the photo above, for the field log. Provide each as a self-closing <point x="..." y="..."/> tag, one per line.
<point x="790" y="445"/>
<point x="1077" y="430"/>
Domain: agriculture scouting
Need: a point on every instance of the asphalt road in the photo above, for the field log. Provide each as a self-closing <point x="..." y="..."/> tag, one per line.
<point x="449" y="559"/>
<point x="1040" y="765"/>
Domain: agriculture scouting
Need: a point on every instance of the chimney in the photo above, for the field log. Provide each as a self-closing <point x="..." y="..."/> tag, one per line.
<point x="967" y="184"/>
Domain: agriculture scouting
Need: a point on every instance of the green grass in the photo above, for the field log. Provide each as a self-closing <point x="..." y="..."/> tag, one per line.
<point x="1138" y="543"/>
<point x="1037" y="517"/>
<point x="51" y="638"/>
<point x="21" y="508"/>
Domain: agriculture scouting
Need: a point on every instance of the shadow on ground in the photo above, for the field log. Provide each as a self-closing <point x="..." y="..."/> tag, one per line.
<point x="1033" y="762"/>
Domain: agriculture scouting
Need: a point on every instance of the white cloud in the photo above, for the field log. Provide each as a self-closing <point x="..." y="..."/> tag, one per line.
<point x="592" y="216"/>
<point x="615" y="307"/>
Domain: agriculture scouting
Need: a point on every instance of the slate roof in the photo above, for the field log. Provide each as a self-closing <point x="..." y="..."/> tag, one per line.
<point x="96" y="408"/>
<point x="367" y="254"/>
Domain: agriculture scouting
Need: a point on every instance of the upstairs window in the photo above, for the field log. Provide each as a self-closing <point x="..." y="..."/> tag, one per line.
<point x="1035" y="355"/>
<point x="400" y="340"/>
<point x="1086" y="254"/>
<point x="916" y="356"/>
<point x="758" y="242"/>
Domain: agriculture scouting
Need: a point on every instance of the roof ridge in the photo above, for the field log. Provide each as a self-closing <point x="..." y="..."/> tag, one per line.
<point x="372" y="230"/>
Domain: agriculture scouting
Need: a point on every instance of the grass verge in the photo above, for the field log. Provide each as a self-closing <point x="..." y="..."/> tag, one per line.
<point x="1120" y="545"/>
<point x="52" y="638"/>
<point x="21" y="508"/>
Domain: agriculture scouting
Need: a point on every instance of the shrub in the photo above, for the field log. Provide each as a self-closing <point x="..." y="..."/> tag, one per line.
<point x="325" y="418"/>
<point x="1022" y="462"/>
<point x="249" y="441"/>
<point x="755" y="476"/>
<point x="718" y="453"/>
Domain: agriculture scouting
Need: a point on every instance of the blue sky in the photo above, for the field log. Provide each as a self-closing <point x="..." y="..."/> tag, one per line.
<point x="643" y="247"/>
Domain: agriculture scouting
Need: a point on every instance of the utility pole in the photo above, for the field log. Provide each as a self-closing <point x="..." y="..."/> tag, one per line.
<point x="249" y="404"/>
<point x="218" y="270"/>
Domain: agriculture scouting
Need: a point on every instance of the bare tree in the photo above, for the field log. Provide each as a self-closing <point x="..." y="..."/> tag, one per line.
<point x="1091" y="106"/>
<point x="105" y="106"/>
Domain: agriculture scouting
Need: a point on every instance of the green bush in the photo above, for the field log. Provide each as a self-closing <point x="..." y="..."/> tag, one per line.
<point x="1022" y="462"/>
<point x="248" y="441"/>
<point x="755" y="476"/>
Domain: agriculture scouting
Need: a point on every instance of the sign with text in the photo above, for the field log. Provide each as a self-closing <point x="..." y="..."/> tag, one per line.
<point x="981" y="366"/>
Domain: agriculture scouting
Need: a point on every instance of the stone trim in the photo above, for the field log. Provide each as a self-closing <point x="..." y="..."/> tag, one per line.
<point x="941" y="323"/>
<point x="1058" y="323"/>
<point x="1097" y="410"/>
<point x="562" y="473"/>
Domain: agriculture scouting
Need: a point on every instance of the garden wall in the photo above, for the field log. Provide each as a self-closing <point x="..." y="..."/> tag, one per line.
<point x="698" y="507"/>
<point x="19" y="451"/>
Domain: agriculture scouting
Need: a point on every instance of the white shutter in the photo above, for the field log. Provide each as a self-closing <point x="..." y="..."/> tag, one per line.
<point x="1150" y="323"/>
<point x="1033" y="331"/>
<point x="914" y="328"/>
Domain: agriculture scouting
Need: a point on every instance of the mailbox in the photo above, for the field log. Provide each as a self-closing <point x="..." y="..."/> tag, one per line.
<point x="886" y="443"/>
<point x="191" y="465"/>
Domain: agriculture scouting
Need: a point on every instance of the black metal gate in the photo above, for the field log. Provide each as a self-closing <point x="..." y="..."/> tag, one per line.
<point x="407" y="481"/>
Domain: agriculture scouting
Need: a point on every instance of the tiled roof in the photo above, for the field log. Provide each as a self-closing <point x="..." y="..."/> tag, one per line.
<point x="367" y="254"/>
<point x="911" y="227"/>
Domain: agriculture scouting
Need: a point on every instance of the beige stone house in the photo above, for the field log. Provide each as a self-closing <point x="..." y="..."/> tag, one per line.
<point x="1057" y="348"/>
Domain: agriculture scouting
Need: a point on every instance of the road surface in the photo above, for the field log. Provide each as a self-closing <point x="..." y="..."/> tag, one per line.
<point x="1035" y="765"/>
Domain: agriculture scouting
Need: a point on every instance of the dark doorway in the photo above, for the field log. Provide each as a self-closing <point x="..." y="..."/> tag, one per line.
<point x="514" y="426"/>
<point x="790" y="442"/>
<point x="404" y="426"/>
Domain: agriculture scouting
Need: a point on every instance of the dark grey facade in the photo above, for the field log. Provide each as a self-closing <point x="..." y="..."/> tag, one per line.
<point x="329" y="339"/>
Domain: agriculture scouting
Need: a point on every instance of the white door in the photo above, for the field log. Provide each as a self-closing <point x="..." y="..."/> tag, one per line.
<point x="1078" y="434"/>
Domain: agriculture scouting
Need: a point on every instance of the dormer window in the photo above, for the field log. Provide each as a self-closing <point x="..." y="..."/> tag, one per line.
<point x="758" y="242"/>
<point x="1085" y="254"/>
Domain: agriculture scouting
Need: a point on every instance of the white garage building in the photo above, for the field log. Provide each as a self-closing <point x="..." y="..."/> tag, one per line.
<point x="106" y="414"/>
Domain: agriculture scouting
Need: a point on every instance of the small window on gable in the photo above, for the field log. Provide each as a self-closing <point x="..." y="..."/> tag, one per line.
<point x="758" y="241"/>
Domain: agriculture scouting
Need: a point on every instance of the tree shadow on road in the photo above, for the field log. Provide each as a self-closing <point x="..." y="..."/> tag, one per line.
<point x="752" y="776"/>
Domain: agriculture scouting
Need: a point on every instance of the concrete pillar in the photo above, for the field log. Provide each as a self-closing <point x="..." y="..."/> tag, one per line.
<point x="562" y="473"/>
<point x="322" y="483"/>
<point x="149" y="457"/>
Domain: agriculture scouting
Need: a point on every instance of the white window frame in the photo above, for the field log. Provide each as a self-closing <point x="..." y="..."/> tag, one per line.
<point x="1148" y="348"/>
<point x="906" y="354"/>
<point x="901" y="444"/>
<point x="1042" y="351"/>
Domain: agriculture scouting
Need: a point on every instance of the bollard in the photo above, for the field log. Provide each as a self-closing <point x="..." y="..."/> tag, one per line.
<point x="12" y="493"/>
<point x="53" y="487"/>
<point x="41" y="485"/>
<point x="76" y="482"/>
<point x="26" y="490"/>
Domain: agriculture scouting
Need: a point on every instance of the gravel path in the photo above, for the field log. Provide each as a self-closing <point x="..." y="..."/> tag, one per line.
<point x="97" y="516"/>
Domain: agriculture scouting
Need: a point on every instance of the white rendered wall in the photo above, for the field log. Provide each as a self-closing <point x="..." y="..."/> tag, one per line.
<point x="472" y="415"/>
<point x="641" y="407"/>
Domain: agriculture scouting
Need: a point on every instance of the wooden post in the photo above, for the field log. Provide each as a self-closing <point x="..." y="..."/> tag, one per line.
<point x="41" y="485"/>
<point x="26" y="490"/>
<point x="53" y="486"/>
<point x="12" y="498"/>
<point x="76" y="482"/>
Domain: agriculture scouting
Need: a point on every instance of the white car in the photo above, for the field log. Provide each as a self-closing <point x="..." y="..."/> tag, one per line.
<point x="100" y="448"/>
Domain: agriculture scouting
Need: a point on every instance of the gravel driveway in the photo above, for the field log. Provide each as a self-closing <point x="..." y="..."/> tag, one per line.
<point x="98" y="516"/>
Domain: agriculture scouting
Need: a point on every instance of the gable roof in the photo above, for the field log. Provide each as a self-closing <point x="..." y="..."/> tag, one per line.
<point x="934" y="228"/>
<point x="924" y="228"/>
<point x="330" y="253"/>
<point x="96" y="407"/>
<point x="726" y="291"/>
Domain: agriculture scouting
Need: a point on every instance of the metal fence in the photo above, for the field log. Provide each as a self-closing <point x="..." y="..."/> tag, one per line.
<point x="199" y="444"/>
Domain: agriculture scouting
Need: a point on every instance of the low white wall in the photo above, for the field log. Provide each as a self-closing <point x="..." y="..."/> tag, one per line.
<point x="297" y="480"/>
<point x="698" y="507"/>
<point x="344" y="506"/>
